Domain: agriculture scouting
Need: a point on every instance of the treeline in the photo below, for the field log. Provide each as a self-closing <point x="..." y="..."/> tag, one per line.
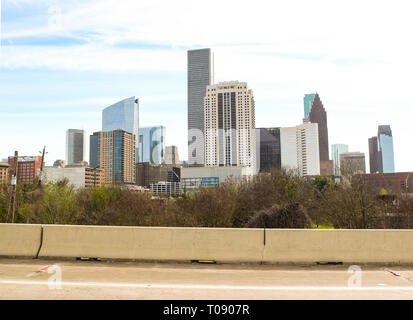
<point x="273" y="200"/>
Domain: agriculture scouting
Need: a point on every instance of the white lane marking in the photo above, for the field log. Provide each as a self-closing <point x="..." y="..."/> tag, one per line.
<point x="208" y="287"/>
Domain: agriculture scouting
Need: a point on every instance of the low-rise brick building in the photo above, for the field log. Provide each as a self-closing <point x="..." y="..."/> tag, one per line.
<point x="4" y="172"/>
<point x="28" y="168"/>
<point x="398" y="182"/>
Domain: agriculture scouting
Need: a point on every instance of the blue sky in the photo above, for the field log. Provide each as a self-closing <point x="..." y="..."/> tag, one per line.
<point x="62" y="62"/>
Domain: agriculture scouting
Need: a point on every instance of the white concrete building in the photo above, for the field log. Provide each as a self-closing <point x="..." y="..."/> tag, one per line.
<point x="229" y="117"/>
<point x="79" y="177"/>
<point x="300" y="149"/>
<point x="171" y="155"/>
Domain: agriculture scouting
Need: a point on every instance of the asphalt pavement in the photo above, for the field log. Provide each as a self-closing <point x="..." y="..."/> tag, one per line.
<point x="54" y="279"/>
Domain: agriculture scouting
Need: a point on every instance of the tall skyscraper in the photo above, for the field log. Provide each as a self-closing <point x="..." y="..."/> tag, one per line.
<point x="381" y="151"/>
<point x="385" y="146"/>
<point x="200" y="75"/>
<point x="374" y="159"/>
<point x="114" y="151"/>
<point x="151" y="144"/>
<point x="319" y="115"/>
<point x="122" y="115"/>
<point x="308" y="103"/>
<point x="269" y="148"/>
<point x="75" y="146"/>
<point x="229" y="115"/>
<point x="94" y="150"/>
<point x="299" y="149"/>
<point x="336" y="150"/>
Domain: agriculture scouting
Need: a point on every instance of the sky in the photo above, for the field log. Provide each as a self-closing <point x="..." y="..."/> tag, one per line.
<point x="63" y="62"/>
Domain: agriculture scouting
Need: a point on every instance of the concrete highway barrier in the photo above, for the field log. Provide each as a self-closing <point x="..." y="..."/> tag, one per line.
<point x="19" y="239"/>
<point x="347" y="246"/>
<point x="221" y="245"/>
<point x="140" y="243"/>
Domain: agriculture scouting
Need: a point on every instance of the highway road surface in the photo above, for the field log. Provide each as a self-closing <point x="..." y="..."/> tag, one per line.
<point x="53" y="279"/>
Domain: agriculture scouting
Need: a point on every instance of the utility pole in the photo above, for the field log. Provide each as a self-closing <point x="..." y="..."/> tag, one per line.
<point x="41" y="167"/>
<point x="12" y="203"/>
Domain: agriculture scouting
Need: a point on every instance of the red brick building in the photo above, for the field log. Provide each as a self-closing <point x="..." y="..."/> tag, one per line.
<point x="392" y="182"/>
<point x="4" y="172"/>
<point x="28" y="168"/>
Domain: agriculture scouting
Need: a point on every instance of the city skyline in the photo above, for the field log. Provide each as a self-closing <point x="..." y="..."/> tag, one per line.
<point x="67" y="81"/>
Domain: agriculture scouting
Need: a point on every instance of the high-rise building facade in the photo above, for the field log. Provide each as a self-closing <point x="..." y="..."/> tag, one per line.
<point x="93" y="150"/>
<point x="171" y="155"/>
<point x="269" y="148"/>
<point x="122" y="115"/>
<point x="319" y="115"/>
<point x="336" y="150"/>
<point x="374" y="158"/>
<point x="75" y="146"/>
<point x="381" y="151"/>
<point x="148" y="173"/>
<point x="299" y="149"/>
<point x="352" y="163"/>
<point x="385" y="146"/>
<point x="114" y="151"/>
<point x="200" y="75"/>
<point x="308" y="103"/>
<point x="151" y="144"/>
<point x="174" y="174"/>
<point x="229" y="113"/>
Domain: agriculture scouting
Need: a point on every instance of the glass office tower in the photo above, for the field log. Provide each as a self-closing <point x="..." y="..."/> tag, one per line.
<point x="151" y="144"/>
<point x="270" y="148"/>
<point x="336" y="150"/>
<point x="385" y="144"/>
<point x="308" y="103"/>
<point x="122" y="115"/>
